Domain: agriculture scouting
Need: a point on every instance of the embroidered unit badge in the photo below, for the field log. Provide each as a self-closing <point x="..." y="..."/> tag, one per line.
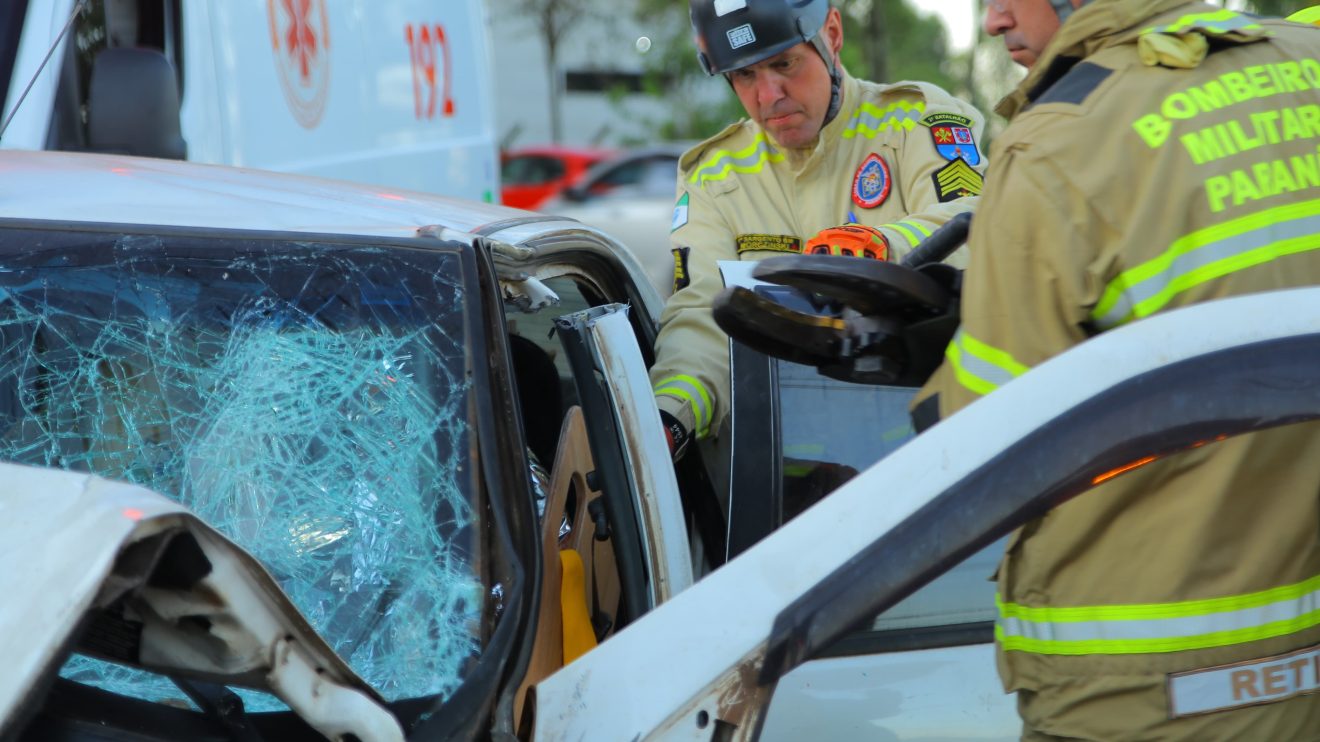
<point x="871" y="183"/>
<point x="953" y="137"/>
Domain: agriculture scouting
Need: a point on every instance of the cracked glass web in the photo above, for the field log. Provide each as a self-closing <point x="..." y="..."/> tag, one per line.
<point x="309" y="401"/>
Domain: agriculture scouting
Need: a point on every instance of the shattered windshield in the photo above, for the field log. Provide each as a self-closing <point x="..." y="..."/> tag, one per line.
<point x="311" y="401"/>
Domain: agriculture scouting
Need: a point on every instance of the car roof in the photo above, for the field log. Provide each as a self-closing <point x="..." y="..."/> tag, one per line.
<point x="111" y="189"/>
<point x="75" y="187"/>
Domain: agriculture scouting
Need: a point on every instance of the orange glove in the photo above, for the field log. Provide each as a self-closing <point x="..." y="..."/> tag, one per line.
<point x="849" y="240"/>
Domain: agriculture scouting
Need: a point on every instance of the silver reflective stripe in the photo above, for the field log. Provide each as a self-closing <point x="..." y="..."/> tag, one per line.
<point x="1197" y="259"/>
<point x="973" y="364"/>
<point x="870" y="119"/>
<point x="1161" y="628"/>
<point x="726" y="161"/>
<point x="1219" y="21"/>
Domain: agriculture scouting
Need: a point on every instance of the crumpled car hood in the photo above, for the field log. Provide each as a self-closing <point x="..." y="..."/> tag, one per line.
<point x="193" y="604"/>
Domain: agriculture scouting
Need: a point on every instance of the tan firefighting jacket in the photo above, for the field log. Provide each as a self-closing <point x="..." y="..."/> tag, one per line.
<point x="1175" y="158"/>
<point x="740" y="198"/>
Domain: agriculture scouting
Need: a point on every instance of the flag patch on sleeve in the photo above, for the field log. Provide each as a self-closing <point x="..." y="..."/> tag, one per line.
<point x="680" y="213"/>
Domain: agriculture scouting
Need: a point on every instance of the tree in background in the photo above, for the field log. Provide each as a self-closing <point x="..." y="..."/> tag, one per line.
<point x="889" y="41"/>
<point x="554" y="20"/>
<point x="1282" y="8"/>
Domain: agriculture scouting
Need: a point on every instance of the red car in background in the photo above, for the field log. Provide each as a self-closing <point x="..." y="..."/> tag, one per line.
<point x="531" y="175"/>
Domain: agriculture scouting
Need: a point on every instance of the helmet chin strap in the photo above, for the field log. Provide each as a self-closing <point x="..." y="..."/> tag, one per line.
<point x="1064" y="8"/>
<point x="836" y="77"/>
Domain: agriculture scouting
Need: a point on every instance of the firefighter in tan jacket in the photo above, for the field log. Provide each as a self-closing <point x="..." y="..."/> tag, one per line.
<point x="822" y="149"/>
<point x="1160" y="153"/>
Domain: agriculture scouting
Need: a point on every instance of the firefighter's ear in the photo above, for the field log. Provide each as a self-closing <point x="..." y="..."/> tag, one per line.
<point x="833" y="32"/>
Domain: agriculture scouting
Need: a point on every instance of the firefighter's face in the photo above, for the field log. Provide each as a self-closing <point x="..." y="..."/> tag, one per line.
<point x="1026" y="25"/>
<point x="789" y="93"/>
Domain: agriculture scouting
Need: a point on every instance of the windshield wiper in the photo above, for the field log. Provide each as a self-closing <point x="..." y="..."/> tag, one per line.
<point x="222" y="704"/>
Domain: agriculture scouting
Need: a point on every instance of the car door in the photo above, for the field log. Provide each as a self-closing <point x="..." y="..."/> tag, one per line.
<point x="925" y="667"/>
<point x="706" y="664"/>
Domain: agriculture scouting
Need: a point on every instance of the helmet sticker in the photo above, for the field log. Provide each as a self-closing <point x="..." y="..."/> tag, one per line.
<point x="741" y="36"/>
<point x="871" y="183"/>
<point x="953" y="137"/>
<point x="725" y="7"/>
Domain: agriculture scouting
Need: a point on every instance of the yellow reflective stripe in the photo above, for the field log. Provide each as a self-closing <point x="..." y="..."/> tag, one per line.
<point x="1306" y="15"/>
<point x="1207" y="254"/>
<point x="869" y="119"/>
<point x="691" y="391"/>
<point x="909" y="235"/>
<point x="1160" y="627"/>
<point x="913" y="231"/>
<point x="977" y="385"/>
<point x="980" y="367"/>
<point x="1155" y="646"/>
<point x="1179" y="609"/>
<point x="922" y="228"/>
<point x="749" y="159"/>
<point x="1219" y="21"/>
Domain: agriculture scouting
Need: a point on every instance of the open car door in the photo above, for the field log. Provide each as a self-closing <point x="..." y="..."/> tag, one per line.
<point x="705" y="664"/>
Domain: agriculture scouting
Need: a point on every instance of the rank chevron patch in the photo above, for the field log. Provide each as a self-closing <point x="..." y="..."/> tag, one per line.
<point x="955" y="180"/>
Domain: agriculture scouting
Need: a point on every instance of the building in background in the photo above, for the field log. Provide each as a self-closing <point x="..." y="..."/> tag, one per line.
<point x="601" y="55"/>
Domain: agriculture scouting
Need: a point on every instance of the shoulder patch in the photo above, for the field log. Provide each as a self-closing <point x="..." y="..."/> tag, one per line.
<point x="952" y="134"/>
<point x="680" y="213"/>
<point x="1075" y="86"/>
<point x="941" y="117"/>
<point x="768" y="243"/>
<point x="955" y="180"/>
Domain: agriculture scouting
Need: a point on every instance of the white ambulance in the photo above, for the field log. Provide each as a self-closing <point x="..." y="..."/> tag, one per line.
<point x="387" y="92"/>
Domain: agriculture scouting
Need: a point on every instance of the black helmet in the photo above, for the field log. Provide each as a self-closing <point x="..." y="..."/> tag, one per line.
<point x="732" y="34"/>
<point x="1064" y="8"/>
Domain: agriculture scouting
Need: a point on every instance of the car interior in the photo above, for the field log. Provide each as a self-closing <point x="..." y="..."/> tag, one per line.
<point x="809" y="457"/>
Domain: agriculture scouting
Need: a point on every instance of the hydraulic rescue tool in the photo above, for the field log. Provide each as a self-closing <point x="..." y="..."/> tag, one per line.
<point x="856" y="319"/>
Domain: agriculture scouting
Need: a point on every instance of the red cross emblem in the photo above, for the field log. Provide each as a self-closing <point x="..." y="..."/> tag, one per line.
<point x="300" y="39"/>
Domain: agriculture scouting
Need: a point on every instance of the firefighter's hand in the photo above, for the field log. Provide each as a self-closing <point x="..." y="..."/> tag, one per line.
<point x="849" y="240"/>
<point x="675" y="434"/>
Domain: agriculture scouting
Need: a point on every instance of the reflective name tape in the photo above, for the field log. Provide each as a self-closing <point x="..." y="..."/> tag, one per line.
<point x="1250" y="683"/>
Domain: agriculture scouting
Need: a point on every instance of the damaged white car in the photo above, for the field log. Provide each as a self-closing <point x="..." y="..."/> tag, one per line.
<point x="288" y="458"/>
